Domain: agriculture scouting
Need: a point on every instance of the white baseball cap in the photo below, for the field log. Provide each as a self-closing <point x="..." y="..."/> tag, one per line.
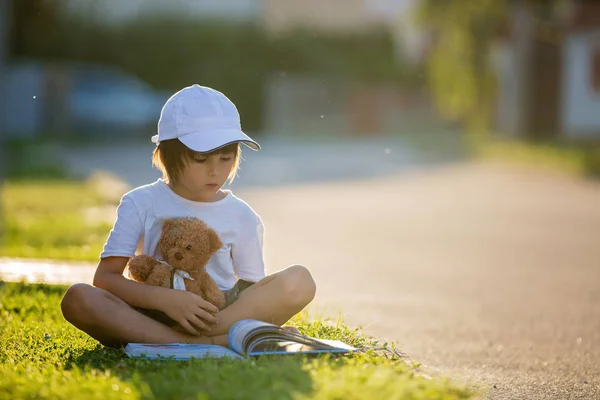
<point x="201" y="118"/>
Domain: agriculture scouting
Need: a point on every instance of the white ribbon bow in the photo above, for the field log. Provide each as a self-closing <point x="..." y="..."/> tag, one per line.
<point x="178" y="282"/>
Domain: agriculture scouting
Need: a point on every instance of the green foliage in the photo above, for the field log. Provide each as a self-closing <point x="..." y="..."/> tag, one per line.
<point x="579" y="160"/>
<point x="172" y="53"/>
<point x="459" y="66"/>
<point x="32" y="158"/>
<point x="353" y="57"/>
<point x="459" y="69"/>
<point x="43" y="357"/>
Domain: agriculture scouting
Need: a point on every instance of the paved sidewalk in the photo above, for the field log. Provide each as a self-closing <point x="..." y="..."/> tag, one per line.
<point x="45" y="271"/>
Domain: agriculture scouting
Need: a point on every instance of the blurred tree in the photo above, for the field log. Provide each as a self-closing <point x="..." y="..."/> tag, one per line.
<point x="458" y="67"/>
<point x="366" y="57"/>
<point x="459" y="70"/>
<point x="35" y="28"/>
<point x="172" y="52"/>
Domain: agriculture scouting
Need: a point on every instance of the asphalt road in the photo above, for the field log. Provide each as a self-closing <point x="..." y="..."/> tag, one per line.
<point x="486" y="273"/>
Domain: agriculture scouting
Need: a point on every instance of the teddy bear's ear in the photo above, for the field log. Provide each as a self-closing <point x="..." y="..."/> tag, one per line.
<point x="168" y="225"/>
<point x="215" y="240"/>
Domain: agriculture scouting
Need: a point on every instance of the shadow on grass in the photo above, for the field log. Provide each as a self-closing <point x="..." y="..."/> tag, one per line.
<point x="265" y="377"/>
<point x="275" y="377"/>
<point x="38" y="347"/>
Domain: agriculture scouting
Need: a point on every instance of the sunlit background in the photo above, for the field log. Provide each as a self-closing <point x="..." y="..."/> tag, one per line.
<point x="434" y="163"/>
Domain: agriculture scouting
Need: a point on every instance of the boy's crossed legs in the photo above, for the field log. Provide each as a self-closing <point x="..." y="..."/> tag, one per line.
<point x="113" y="322"/>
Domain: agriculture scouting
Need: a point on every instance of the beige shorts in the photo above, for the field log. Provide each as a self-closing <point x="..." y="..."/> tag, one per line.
<point x="233" y="294"/>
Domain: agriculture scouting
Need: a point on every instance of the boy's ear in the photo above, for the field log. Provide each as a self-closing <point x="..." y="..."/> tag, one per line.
<point x="215" y="240"/>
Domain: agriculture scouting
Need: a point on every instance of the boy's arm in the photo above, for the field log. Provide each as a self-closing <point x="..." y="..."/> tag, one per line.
<point x="109" y="276"/>
<point x="184" y="307"/>
<point x="247" y="252"/>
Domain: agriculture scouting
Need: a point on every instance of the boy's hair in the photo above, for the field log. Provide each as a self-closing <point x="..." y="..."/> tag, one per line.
<point x="171" y="156"/>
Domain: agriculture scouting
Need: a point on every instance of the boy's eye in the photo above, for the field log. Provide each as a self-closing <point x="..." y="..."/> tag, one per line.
<point x="200" y="160"/>
<point x="226" y="159"/>
<point x="189" y="247"/>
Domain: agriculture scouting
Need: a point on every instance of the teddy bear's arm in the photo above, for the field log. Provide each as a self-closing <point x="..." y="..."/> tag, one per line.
<point x="160" y="276"/>
<point x="141" y="266"/>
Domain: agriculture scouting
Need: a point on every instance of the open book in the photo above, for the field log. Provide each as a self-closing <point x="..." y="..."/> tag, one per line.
<point x="247" y="338"/>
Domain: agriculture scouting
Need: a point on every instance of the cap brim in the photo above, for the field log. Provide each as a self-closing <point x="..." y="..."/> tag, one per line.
<point x="203" y="142"/>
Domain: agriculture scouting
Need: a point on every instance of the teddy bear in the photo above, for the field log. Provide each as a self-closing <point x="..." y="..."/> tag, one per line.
<point x="186" y="245"/>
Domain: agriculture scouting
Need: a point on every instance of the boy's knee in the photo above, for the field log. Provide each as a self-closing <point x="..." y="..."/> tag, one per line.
<point x="75" y="302"/>
<point x="300" y="287"/>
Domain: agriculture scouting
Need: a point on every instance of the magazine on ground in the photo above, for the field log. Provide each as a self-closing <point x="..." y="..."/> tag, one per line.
<point x="247" y="338"/>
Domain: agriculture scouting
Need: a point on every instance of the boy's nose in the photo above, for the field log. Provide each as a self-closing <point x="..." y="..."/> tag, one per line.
<point x="178" y="256"/>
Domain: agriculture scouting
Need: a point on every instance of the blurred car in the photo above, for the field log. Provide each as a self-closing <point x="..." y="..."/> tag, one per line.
<point x="104" y="100"/>
<point x="66" y="98"/>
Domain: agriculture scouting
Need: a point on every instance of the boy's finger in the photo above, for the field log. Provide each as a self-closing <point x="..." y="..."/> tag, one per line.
<point x="198" y="323"/>
<point x="205" y="316"/>
<point x="208" y="306"/>
<point x="186" y="325"/>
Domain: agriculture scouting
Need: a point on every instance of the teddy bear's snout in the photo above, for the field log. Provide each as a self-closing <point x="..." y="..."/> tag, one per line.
<point x="178" y="256"/>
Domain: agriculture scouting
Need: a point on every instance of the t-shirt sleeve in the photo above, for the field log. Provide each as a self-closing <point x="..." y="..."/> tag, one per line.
<point x="128" y="229"/>
<point x="247" y="251"/>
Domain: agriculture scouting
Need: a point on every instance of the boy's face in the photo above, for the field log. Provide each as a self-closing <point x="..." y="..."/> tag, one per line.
<point x="205" y="174"/>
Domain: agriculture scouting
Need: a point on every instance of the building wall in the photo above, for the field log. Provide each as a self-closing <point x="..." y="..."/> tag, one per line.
<point x="513" y="61"/>
<point x="581" y="101"/>
<point x="508" y="100"/>
<point x="331" y="15"/>
<point x="307" y="107"/>
<point x="122" y="11"/>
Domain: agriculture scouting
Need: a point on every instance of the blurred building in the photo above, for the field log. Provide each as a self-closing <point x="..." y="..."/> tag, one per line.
<point x="81" y="98"/>
<point x="549" y="74"/>
<point x="119" y="11"/>
<point x="333" y="15"/>
<point x="300" y="105"/>
<point x="276" y="15"/>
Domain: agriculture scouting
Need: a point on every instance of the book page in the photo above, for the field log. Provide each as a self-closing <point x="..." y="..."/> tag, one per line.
<point x="277" y="347"/>
<point x="257" y="340"/>
<point x="338" y="344"/>
<point x="240" y="332"/>
<point x="179" y="351"/>
<point x="254" y="337"/>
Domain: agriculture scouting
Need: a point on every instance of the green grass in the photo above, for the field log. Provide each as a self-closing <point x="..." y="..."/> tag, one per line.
<point x="43" y="357"/>
<point x="578" y="160"/>
<point x="58" y="219"/>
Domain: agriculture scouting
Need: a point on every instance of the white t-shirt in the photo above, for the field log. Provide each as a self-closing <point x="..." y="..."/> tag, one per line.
<point x="140" y="217"/>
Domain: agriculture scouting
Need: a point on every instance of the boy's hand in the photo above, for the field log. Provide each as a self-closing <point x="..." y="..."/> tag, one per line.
<point x="190" y="311"/>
